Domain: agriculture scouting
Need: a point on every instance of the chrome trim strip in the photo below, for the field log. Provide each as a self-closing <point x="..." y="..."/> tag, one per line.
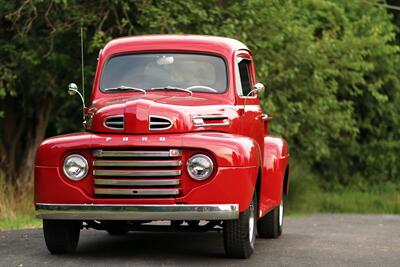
<point x="135" y="173"/>
<point x="159" y="123"/>
<point x="136" y="212"/>
<point x="137" y="163"/>
<point x="134" y="154"/>
<point x="203" y="120"/>
<point x="152" y="182"/>
<point x="211" y="117"/>
<point x="136" y="192"/>
<point x="213" y="124"/>
<point x="115" y="123"/>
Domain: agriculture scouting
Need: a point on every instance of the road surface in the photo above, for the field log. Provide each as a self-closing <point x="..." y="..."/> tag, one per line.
<point x="316" y="240"/>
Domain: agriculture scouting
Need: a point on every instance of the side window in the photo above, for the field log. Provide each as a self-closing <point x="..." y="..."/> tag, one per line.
<point x="244" y="81"/>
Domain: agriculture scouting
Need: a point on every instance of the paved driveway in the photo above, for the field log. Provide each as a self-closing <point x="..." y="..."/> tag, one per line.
<point x="317" y="240"/>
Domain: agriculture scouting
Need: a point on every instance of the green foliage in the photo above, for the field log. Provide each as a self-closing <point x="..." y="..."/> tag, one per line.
<point x="306" y="196"/>
<point x="332" y="72"/>
<point x="373" y="201"/>
<point x="331" y="69"/>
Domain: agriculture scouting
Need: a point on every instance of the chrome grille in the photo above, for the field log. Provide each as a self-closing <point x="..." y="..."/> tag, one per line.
<point x="159" y="123"/>
<point x="114" y="122"/>
<point x="137" y="173"/>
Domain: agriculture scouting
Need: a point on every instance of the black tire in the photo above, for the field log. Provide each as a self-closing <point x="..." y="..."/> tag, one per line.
<point x="271" y="225"/>
<point x="239" y="238"/>
<point x="61" y="236"/>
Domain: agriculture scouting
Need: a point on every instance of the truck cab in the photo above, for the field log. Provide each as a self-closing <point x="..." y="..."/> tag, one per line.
<point x="174" y="134"/>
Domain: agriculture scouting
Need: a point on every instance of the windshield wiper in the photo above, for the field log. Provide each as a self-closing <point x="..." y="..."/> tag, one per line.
<point x="124" y="88"/>
<point x="171" y="88"/>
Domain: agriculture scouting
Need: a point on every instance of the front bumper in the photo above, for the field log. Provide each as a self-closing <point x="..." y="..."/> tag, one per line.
<point x="136" y="212"/>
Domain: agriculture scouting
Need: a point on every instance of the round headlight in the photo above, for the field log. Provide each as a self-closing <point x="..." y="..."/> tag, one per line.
<point x="75" y="167"/>
<point x="200" y="167"/>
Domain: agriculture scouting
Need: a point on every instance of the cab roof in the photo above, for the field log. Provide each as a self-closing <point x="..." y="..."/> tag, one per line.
<point x="172" y="42"/>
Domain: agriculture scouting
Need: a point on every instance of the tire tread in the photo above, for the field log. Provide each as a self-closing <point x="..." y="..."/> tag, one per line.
<point x="236" y="236"/>
<point x="61" y="236"/>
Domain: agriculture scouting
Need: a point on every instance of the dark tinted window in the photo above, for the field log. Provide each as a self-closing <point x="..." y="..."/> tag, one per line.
<point x="245" y="77"/>
<point x="167" y="69"/>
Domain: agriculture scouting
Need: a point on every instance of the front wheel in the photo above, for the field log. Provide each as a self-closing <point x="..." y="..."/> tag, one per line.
<point x="240" y="234"/>
<point x="61" y="236"/>
<point x="271" y="225"/>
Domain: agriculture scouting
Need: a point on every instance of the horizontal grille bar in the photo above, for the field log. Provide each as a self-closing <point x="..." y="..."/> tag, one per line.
<point x="137" y="154"/>
<point x="136" y="173"/>
<point x="139" y="163"/>
<point x="136" y="192"/>
<point x="153" y="182"/>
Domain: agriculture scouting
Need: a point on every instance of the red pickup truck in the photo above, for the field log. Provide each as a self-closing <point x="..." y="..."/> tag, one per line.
<point x="174" y="133"/>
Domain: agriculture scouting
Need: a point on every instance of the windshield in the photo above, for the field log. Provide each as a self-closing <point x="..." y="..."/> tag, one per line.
<point x="194" y="72"/>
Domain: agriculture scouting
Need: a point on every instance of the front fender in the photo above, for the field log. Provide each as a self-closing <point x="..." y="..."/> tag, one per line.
<point x="276" y="160"/>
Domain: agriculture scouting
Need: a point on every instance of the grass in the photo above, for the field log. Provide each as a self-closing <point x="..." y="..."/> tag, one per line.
<point x="346" y="201"/>
<point x="306" y="196"/>
<point x="20" y="222"/>
<point x="16" y="206"/>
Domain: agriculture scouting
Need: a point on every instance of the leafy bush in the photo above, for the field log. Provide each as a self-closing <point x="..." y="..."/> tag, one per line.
<point x="331" y="68"/>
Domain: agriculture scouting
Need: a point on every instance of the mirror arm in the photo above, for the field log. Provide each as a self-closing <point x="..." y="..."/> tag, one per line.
<point x="245" y="100"/>
<point x="83" y="100"/>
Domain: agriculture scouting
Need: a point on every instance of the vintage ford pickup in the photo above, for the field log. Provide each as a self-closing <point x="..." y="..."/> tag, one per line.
<point x="174" y="133"/>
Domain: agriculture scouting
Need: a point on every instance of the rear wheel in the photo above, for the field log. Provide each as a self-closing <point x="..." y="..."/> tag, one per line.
<point x="61" y="236"/>
<point x="240" y="234"/>
<point x="271" y="225"/>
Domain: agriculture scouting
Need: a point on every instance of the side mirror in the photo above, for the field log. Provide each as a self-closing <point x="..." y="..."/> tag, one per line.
<point x="73" y="90"/>
<point x="258" y="87"/>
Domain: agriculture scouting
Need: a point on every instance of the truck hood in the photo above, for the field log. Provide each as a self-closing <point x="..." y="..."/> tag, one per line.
<point x="155" y="113"/>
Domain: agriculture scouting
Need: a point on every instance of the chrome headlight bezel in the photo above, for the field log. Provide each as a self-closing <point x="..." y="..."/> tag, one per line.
<point x="194" y="160"/>
<point x="77" y="161"/>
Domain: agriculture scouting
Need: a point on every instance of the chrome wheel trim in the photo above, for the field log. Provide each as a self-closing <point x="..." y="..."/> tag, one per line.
<point x="281" y="214"/>
<point x="251" y="223"/>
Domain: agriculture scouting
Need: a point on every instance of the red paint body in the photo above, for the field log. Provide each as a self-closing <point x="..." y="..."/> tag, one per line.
<point x="245" y="156"/>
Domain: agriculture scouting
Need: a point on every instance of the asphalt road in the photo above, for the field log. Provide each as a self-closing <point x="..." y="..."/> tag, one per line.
<point x="317" y="240"/>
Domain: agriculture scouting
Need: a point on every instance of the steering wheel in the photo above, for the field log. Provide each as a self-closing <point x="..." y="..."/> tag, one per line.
<point x="202" y="87"/>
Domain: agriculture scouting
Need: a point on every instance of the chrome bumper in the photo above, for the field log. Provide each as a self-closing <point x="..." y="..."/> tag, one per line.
<point x="136" y="212"/>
